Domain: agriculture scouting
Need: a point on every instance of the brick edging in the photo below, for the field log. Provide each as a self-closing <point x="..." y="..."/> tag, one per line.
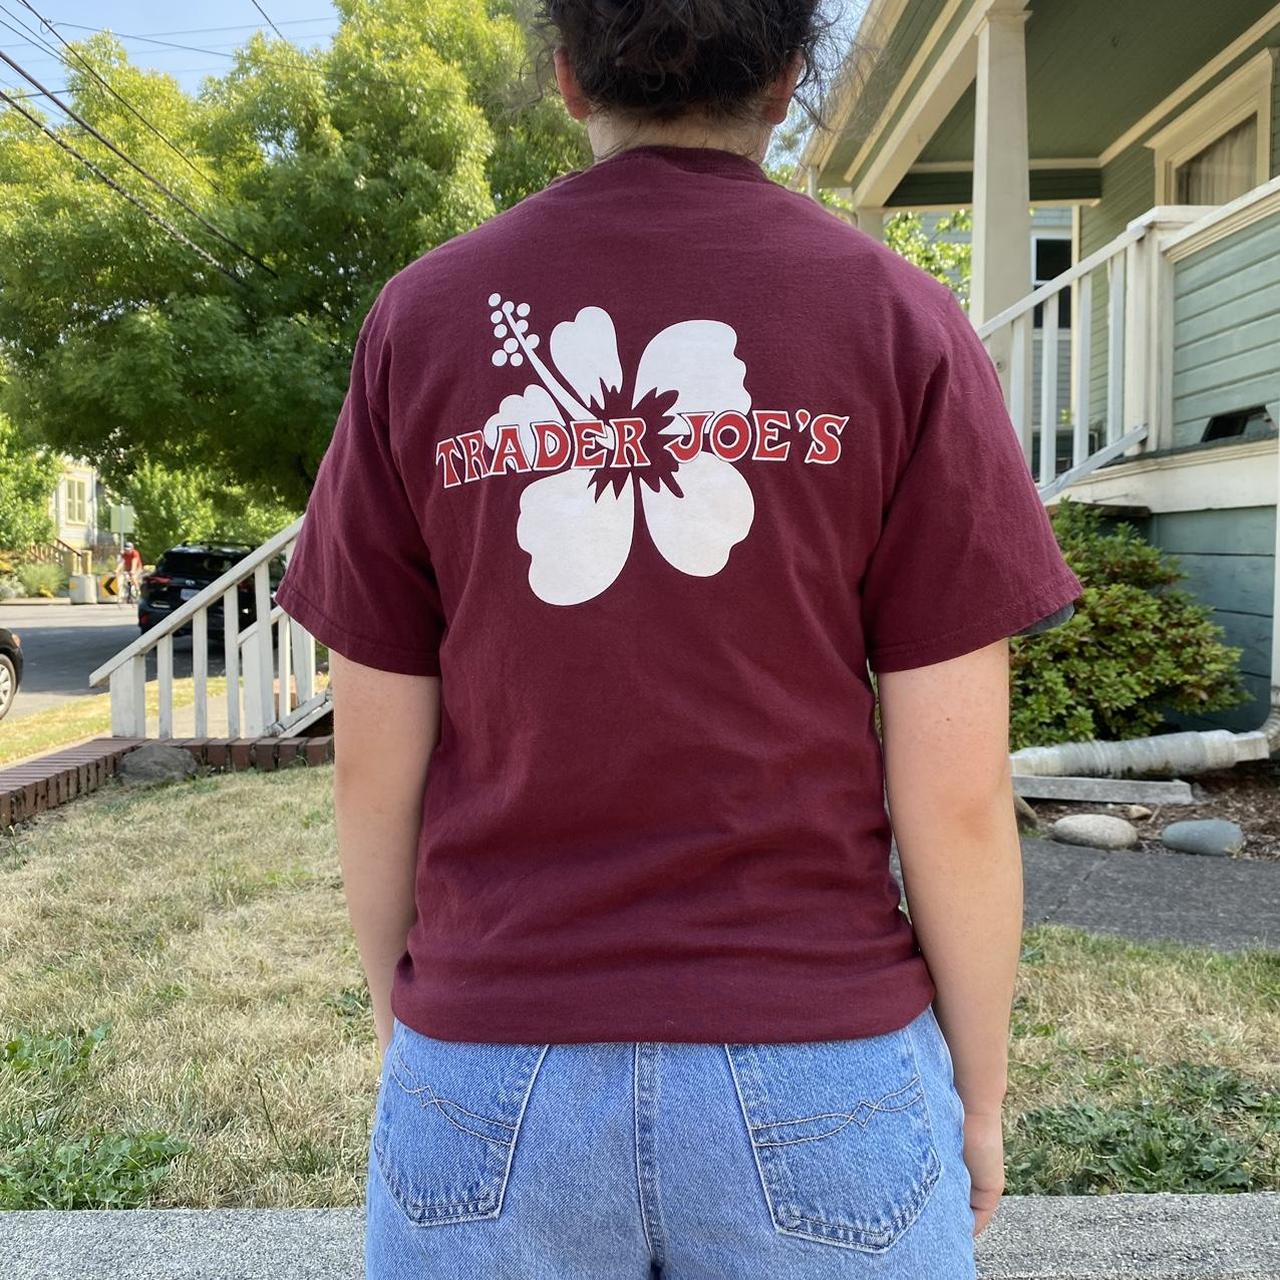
<point x="44" y="783"/>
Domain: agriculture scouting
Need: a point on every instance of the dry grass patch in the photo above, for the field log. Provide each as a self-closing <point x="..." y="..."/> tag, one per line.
<point x="186" y="1022"/>
<point x="204" y="923"/>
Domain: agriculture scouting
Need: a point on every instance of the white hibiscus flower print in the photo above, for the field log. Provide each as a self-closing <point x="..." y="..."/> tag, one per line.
<point x="578" y="524"/>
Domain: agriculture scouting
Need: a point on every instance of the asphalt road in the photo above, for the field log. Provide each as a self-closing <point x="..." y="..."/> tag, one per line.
<point x="64" y="642"/>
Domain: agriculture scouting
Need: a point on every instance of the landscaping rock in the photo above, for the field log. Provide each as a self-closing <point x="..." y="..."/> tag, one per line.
<point x="156" y="762"/>
<point x="1137" y="812"/>
<point x="1215" y="837"/>
<point x="1097" y="830"/>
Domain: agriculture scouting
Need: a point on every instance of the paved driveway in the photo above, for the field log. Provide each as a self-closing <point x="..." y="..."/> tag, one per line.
<point x="64" y="642"/>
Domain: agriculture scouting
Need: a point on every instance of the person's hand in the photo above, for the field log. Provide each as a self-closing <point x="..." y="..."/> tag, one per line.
<point x="984" y="1156"/>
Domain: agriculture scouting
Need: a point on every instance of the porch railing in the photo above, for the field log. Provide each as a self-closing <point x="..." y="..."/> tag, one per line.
<point x="1136" y="276"/>
<point x="263" y="664"/>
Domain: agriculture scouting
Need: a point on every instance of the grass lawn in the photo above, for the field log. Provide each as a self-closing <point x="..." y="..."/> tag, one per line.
<point x="78" y="719"/>
<point x="186" y="1024"/>
<point x="86" y="717"/>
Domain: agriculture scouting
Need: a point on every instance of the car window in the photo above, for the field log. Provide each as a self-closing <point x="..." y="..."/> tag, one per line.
<point x="195" y="564"/>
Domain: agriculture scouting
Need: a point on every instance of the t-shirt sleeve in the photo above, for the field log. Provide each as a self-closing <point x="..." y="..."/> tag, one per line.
<point x="360" y="577"/>
<point x="966" y="554"/>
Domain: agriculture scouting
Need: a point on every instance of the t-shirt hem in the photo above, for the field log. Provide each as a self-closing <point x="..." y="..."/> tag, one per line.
<point x="1003" y="622"/>
<point x="334" y="635"/>
<point x="478" y="1022"/>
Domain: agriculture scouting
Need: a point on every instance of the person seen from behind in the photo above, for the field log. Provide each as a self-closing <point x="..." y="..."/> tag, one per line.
<point x="645" y="496"/>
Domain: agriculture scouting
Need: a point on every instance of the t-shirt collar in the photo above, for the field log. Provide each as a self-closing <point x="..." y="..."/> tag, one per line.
<point x="694" y="159"/>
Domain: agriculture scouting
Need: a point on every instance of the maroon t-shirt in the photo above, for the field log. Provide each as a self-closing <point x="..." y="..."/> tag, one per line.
<point x="648" y="469"/>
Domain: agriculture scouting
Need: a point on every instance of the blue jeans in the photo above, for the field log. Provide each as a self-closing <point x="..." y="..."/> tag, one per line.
<point x="627" y="1161"/>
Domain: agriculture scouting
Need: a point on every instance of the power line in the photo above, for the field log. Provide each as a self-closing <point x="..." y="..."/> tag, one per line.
<point x="267" y="16"/>
<point x="192" y="48"/>
<point x="34" y="94"/>
<point x="200" y="31"/>
<point x="93" y="71"/>
<point x="111" y="146"/>
<point x="150" y="213"/>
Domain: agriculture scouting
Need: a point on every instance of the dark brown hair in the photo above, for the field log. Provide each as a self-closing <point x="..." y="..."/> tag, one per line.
<point x="658" y="59"/>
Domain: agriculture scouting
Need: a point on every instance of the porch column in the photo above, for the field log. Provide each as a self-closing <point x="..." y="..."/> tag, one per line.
<point x="870" y="220"/>
<point x="1001" y="176"/>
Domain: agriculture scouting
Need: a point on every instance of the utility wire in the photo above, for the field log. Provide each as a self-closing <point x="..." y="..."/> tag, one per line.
<point x="33" y="94"/>
<point x="194" y="48"/>
<point x="133" y="164"/>
<point x="160" y="221"/>
<point x="267" y="16"/>
<point x="93" y="71"/>
<point x="200" y="31"/>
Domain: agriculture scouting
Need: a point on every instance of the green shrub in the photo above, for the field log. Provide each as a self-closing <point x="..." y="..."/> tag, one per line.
<point x="1137" y="648"/>
<point x="41" y="579"/>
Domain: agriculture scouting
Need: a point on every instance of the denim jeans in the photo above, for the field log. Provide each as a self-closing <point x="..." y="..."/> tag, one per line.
<point x="628" y="1161"/>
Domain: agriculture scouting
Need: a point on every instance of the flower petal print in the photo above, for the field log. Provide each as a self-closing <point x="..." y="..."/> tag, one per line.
<point x="578" y="533"/>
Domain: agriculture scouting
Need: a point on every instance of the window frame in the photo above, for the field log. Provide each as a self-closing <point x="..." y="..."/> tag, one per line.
<point x="1246" y="92"/>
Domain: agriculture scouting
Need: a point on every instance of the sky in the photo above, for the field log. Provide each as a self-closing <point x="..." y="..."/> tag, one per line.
<point x="211" y="30"/>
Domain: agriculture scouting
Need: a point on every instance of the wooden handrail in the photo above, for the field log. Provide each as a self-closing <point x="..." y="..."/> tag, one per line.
<point x="232" y="577"/>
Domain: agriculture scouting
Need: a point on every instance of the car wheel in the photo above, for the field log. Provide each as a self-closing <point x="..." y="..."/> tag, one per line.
<point x="8" y="684"/>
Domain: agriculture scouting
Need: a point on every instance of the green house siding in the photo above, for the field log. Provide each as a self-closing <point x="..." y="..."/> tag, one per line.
<point x="1275" y="117"/>
<point x="1226" y="328"/>
<point x="1229" y="559"/>
<point x="1128" y="190"/>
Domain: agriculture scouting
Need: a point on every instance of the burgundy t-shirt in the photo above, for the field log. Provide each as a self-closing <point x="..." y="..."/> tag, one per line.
<point x="648" y="469"/>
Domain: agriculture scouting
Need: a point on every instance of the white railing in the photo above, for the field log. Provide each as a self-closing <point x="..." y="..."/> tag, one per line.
<point x="263" y="664"/>
<point x="1137" y="277"/>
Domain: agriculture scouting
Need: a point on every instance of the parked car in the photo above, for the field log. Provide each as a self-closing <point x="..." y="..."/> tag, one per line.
<point x="183" y="571"/>
<point x="10" y="668"/>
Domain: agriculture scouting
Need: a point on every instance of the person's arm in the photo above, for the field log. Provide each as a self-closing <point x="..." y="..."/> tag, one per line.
<point x="945" y="730"/>
<point x="385" y="727"/>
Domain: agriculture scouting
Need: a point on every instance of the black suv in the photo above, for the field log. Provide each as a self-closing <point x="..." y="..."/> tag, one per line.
<point x="184" y="570"/>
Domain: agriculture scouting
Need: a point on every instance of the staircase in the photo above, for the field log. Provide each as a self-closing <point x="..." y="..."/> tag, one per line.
<point x="270" y="665"/>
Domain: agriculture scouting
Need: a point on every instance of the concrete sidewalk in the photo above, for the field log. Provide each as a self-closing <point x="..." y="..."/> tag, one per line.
<point x="1121" y="1237"/>
<point x="1228" y="903"/>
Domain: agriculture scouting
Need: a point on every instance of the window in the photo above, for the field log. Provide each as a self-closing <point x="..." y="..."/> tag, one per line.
<point x="1223" y="170"/>
<point x="1218" y="148"/>
<point x="1051" y="256"/>
<point x="75" y="504"/>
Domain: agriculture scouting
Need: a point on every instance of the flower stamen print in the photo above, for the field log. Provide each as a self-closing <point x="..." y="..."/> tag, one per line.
<point x="577" y="524"/>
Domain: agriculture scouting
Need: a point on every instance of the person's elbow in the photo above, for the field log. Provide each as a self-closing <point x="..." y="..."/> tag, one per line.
<point x="386" y="724"/>
<point x="946" y="740"/>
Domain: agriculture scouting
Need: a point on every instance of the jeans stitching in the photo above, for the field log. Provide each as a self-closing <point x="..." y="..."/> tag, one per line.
<point x="862" y="1114"/>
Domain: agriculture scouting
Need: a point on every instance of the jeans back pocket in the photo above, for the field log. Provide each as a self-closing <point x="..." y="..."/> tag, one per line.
<point x="448" y="1116"/>
<point x="841" y="1134"/>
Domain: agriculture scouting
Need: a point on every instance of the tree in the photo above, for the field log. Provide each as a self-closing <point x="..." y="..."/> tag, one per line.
<point x="27" y="478"/>
<point x="333" y="168"/>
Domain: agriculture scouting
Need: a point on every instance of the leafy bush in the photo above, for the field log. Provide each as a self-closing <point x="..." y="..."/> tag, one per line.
<point x="41" y="579"/>
<point x="1137" y="647"/>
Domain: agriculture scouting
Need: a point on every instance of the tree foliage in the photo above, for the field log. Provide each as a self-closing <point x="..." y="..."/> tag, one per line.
<point x="27" y="477"/>
<point x="334" y="168"/>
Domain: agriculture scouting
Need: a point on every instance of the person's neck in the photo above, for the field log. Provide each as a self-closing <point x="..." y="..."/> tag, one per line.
<point x="609" y="136"/>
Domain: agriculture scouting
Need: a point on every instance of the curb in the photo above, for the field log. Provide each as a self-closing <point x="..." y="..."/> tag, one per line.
<point x="1113" y="1237"/>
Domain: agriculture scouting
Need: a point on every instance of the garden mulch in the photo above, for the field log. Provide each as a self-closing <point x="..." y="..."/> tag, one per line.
<point x="1248" y="794"/>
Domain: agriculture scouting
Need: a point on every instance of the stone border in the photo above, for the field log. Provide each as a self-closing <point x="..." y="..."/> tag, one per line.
<point x="1116" y="1237"/>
